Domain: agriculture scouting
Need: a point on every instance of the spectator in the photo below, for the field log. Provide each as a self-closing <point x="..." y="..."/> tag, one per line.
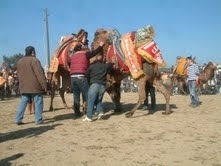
<point x="32" y="85"/>
<point x="192" y="79"/>
<point x="78" y="67"/>
<point x="2" y="86"/>
<point x="150" y="90"/>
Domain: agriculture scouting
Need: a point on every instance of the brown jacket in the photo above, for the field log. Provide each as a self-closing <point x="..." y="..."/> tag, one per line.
<point x="31" y="75"/>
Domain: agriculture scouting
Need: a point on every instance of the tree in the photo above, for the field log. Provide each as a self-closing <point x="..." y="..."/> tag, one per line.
<point x="12" y="60"/>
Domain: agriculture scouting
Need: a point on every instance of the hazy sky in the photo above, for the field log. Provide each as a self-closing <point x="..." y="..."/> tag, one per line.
<point x="182" y="27"/>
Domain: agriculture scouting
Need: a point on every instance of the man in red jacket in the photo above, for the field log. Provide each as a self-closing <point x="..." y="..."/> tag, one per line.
<point x="78" y="67"/>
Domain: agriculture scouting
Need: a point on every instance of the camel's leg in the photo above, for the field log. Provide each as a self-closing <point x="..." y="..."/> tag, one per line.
<point x="165" y="93"/>
<point x="116" y="99"/>
<point x="170" y="88"/>
<point x="181" y="85"/>
<point x="84" y="105"/>
<point x="52" y="98"/>
<point x="61" y="92"/>
<point x="115" y="95"/>
<point x="141" y="83"/>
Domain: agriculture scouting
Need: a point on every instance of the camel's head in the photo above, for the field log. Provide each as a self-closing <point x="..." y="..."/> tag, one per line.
<point x="101" y="35"/>
<point x="211" y="66"/>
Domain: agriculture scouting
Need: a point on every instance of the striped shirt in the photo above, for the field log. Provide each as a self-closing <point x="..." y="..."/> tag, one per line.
<point x="192" y="71"/>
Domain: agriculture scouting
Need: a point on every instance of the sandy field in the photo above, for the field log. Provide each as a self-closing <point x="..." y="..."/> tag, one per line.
<point x="187" y="137"/>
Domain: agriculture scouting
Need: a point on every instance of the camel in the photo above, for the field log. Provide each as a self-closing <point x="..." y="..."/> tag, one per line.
<point x="179" y="75"/>
<point x="121" y="71"/>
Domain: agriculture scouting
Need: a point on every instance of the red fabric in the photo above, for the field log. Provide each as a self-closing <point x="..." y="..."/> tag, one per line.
<point x="150" y="51"/>
<point x="63" y="57"/>
<point x="79" y="63"/>
<point x="114" y="58"/>
<point x="139" y="59"/>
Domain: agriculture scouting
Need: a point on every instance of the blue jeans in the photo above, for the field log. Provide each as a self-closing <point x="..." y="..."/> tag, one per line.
<point x="79" y="85"/>
<point x="95" y="97"/>
<point x="24" y="100"/>
<point x="192" y="90"/>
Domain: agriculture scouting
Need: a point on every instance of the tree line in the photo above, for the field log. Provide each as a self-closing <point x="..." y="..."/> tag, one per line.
<point x="11" y="61"/>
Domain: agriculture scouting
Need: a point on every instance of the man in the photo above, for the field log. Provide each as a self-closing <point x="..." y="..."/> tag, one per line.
<point x="32" y="85"/>
<point x="97" y="75"/>
<point x="192" y="78"/>
<point x="150" y="89"/>
<point x="2" y="86"/>
<point x="148" y="69"/>
<point x="78" y="67"/>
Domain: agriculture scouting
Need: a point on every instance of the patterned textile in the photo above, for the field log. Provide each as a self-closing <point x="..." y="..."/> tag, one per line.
<point x="131" y="59"/>
<point x="144" y="35"/>
<point x="113" y="57"/>
<point x="180" y="67"/>
<point x="151" y="53"/>
<point x="192" y="71"/>
<point x="60" y="56"/>
<point x="54" y="65"/>
<point x="115" y="37"/>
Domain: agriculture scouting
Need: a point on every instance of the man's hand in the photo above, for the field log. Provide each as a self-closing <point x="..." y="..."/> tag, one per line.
<point x="101" y="44"/>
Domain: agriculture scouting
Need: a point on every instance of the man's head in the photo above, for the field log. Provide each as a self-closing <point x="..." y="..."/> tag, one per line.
<point x="189" y="59"/>
<point x="30" y="51"/>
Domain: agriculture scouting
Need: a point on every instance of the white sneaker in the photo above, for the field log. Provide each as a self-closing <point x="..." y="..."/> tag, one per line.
<point x="86" y="119"/>
<point x="100" y="115"/>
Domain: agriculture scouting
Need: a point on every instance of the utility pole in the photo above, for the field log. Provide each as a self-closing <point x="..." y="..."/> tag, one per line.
<point x="47" y="37"/>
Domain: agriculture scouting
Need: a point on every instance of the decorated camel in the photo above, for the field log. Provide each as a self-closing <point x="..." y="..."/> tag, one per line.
<point x="134" y="54"/>
<point x="179" y="75"/>
<point x="59" y="67"/>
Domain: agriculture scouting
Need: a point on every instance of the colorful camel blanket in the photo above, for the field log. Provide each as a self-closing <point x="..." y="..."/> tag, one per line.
<point x="180" y="66"/>
<point x="54" y="65"/>
<point x="151" y="53"/>
<point x="114" y="57"/>
<point x="144" y="35"/>
<point x="61" y="55"/>
<point x="131" y="59"/>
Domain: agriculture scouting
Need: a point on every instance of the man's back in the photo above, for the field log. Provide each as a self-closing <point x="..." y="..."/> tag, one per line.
<point x="31" y="76"/>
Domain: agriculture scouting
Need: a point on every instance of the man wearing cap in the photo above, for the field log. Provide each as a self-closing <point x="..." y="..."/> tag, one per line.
<point x="32" y="85"/>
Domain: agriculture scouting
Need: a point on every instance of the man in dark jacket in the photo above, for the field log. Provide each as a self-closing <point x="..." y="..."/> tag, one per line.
<point x="96" y="74"/>
<point x="32" y="85"/>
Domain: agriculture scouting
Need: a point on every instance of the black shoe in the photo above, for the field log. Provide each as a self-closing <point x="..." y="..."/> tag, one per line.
<point x="153" y="107"/>
<point x="77" y="114"/>
<point x="19" y="123"/>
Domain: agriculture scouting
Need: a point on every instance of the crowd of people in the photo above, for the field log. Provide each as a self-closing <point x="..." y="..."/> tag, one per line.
<point x="86" y="79"/>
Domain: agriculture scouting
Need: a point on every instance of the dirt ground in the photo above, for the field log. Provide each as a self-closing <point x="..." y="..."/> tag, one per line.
<point x="187" y="137"/>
